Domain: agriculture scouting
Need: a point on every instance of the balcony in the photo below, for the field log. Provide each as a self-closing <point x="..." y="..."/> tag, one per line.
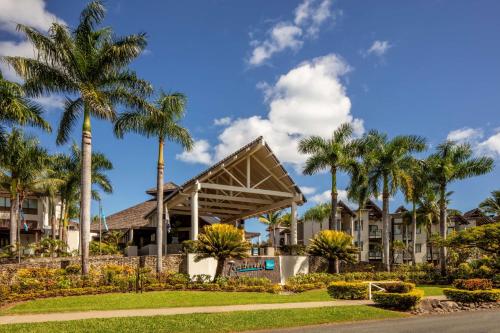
<point x="375" y="234"/>
<point x="374" y="255"/>
<point x="435" y="256"/>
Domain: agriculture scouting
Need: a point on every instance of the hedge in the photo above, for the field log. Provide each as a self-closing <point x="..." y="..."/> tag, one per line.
<point x="397" y="287"/>
<point x="348" y="290"/>
<point x="403" y="301"/>
<point x="473" y="284"/>
<point x="472" y="296"/>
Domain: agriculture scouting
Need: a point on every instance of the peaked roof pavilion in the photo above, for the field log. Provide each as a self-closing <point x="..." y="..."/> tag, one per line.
<point x="245" y="184"/>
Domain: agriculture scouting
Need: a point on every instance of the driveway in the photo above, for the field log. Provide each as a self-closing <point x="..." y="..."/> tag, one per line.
<point x="460" y="322"/>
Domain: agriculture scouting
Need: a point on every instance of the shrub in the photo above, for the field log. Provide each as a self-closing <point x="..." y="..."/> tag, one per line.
<point x="298" y="288"/>
<point x="403" y="301"/>
<point x="473" y="284"/>
<point x="73" y="269"/>
<point x="472" y="296"/>
<point x="397" y="287"/>
<point x="464" y="271"/>
<point x="348" y="290"/>
<point x="496" y="280"/>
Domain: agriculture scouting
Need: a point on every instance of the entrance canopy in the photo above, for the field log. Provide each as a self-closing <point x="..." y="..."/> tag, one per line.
<point x="247" y="183"/>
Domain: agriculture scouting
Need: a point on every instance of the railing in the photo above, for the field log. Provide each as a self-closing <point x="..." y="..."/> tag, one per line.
<point x="375" y="234"/>
<point x="374" y="255"/>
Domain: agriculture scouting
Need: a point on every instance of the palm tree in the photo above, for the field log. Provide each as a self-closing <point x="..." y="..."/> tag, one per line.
<point x="161" y="121"/>
<point x="88" y="64"/>
<point x="335" y="246"/>
<point x="388" y="162"/>
<point x="414" y="189"/>
<point x="491" y="205"/>
<point x="221" y="242"/>
<point x="21" y="167"/>
<point x="332" y="154"/>
<point x="273" y="220"/>
<point x="15" y="108"/>
<point x="451" y="162"/>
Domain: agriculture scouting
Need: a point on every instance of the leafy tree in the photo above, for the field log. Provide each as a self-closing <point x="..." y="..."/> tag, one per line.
<point x="16" y="108"/>
<point x="273" y="220"/>
<point x="161" y="121"/>
<point x="334" y="154"/>
<point x="491" y="205"/>
<point x="451" y="162"/>
<point x="334" y="246"/>
<point x="485" y="238"/>
<point x="221" y="242"/>
<point x="90" y="66"/>
<point x="389" y="160"/>
<point x="21" y="167"/>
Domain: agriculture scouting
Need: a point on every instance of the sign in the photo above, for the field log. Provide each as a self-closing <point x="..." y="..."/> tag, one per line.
<point x="261" y="265"/>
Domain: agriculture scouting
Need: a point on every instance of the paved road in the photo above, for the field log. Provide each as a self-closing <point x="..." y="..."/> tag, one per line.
<point x="38" y="318"/>
<point x="460" y="322"/>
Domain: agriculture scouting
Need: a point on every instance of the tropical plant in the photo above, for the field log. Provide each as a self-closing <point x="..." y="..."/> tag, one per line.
<point x="113" y="237"/>
<point x="16" y="108"/>
<point x="221" y="242"/>
<point x="491" y="205"/>
<point x="389" y="159"/>
<point x="161" y="121"/>
<point x="273" y="220"/>
<point x="485" y="238"/>
<point x="334" y="246"/>
<point x="451" y="162"/>
<point x="90" y="65"/>
<point x="22" y="165"/>
<point x="399" y="248"/>
<point x="334" y="154"/>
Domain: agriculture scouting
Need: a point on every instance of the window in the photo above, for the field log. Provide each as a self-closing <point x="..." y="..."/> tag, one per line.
<point x="4" y="204"/>
<point x="30" y="206"/>
<point x="418" y="248"/>
<point x="419" y="230"/>
<point x="398" y="229"/>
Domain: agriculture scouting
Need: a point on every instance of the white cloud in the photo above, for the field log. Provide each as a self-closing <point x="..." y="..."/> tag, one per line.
<point x="199" y="154"/>
<point x="465" y="134"/>
<point x="326" y="196"/>
<point x="307" y="190"/>
<point x="490" y="146"/>
<point x="27" y="12"/>
<point x="50" y="102"/>
<point x="22" y="49"/>
<point x="222" y="121"/>
<point x="308" y="100"/>
<point x="379" y="48"/>
<point x="309" y="16"/>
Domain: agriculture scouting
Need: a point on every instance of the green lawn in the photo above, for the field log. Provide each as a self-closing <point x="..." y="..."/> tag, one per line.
<point x="215" y="322"/>
<point x="158" y="299"/>
<point x="432" y="290"/>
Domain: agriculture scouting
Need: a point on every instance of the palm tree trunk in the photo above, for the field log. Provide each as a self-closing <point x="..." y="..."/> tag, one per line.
<point x="414" y="233"/>
<point x="359" y="231"/>
<point x="14" y="204"/>
<point x="52" y="210"/>
<point x="159" y="207"/>
<point x="219" y="269"/>
<point x="61" y="226"/>
<point x="442" y="228"/>
<point x="385" y="224"/>
<point x="333" y="266"/>
<point x="333" y="214"/>
<point x="86" y="191"/>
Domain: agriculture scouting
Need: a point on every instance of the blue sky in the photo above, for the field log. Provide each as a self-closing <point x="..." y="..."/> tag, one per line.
<point x="288" y="69"/>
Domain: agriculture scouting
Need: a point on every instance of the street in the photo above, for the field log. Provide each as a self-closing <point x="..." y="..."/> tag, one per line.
<point x="462" y="322"/>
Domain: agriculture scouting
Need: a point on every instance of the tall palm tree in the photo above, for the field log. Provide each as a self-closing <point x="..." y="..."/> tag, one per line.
<point x="414" y="189"/>
<point x="21" y="167"/>
<point x="491" y="205"/>
<point x="332" y="154"/>
<point x="389" y="159"/>
<point x="16" y="108"/>
<point x="273" y="220"/>
<point x="451" y="162"/>
<point x="161" y="121"/>
<point x="90" y="65"/>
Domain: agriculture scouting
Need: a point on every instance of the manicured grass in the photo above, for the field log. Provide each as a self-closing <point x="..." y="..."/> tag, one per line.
<point x="215" y="322"/>
<point x="158" y="299"/>
<point x="432" y="290"/>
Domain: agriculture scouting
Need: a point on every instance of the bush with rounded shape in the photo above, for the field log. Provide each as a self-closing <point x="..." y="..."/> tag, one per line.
<point x="472" y="296"/>
<point x="397" y="287"/>
<point x="403" y="301"/>
<point x="473" y="284"/>
<point x="348" y="290"/>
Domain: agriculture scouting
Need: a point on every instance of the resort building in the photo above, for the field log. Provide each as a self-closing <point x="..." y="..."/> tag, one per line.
<point x="245" y="184"/>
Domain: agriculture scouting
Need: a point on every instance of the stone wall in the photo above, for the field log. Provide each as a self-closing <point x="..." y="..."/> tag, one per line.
<point x="171" y="262"/>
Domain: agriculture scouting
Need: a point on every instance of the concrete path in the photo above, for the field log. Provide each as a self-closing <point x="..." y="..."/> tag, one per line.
<point x="44" y="317"/>
<point x="459" y="322"/>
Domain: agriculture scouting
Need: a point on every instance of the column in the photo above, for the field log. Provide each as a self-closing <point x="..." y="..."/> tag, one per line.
<point x="293" y="224"/>
<point x="194" y="215"/>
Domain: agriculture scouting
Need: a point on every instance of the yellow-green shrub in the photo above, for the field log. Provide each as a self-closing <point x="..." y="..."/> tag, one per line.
<point x="472" y="296"/>
<point x="399" y="301"/>
<point x="348" y="290"/>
